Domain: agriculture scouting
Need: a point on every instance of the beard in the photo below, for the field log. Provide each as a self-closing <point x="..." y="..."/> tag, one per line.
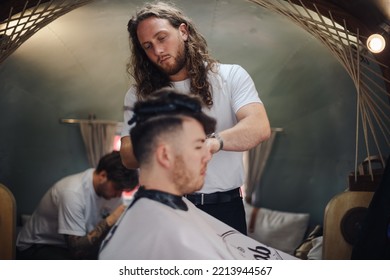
<point x="184" y="180"/>
<point x="179" y="62"/>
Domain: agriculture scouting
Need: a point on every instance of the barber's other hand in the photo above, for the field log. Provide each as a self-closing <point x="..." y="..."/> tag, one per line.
<point x="213" y="145"/>
<point x="114" y="216"/>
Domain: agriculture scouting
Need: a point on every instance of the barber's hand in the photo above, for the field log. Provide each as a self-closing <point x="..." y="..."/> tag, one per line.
<point x="114" y="216"/>
<point x="213" y="145"/>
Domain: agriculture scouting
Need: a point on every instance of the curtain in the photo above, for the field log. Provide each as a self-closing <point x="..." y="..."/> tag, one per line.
<point x="98" y="139"/>
<point x="255" y="162"/>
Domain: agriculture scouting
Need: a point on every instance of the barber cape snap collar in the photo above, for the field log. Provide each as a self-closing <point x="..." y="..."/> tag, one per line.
<point x="173" y="201"/>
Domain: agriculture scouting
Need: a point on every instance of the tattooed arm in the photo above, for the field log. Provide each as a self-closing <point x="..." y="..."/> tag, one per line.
<point x="87" y="247"/>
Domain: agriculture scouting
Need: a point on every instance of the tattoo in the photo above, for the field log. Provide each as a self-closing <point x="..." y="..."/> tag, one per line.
<point x="87" y="247"/>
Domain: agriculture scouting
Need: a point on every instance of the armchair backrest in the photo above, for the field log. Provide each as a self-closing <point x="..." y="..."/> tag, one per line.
<point x="7" y="224"/>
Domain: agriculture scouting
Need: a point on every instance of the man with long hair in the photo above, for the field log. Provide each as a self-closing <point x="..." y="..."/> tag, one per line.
<point x="168" y="50"/>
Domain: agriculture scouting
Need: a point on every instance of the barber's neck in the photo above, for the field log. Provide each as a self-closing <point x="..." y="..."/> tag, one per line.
<point x="179" y="76"/>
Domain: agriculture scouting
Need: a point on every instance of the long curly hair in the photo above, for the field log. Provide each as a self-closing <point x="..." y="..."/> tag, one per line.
<point x="147" y="76"/>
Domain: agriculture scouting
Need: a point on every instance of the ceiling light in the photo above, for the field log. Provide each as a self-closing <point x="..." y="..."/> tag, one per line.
<point x="376" y="43"/>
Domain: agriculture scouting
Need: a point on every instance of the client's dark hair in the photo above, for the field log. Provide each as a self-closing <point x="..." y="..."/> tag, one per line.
<point x="117" y="172"/>
<point x="163" y="113"/>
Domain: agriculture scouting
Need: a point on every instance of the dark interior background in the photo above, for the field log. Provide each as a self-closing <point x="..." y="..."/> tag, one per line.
<point x="75" y="66"/>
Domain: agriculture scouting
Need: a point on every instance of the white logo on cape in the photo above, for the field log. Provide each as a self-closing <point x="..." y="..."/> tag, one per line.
<point x="241" y="246"/>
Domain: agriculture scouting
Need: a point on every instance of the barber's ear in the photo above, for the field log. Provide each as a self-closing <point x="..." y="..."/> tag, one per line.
<point x="164" y="156"/>
<point x="183" y="29"/>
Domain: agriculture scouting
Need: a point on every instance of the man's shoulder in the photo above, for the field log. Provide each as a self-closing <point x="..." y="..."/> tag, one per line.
<point x="131" y="95"/>
<point x="227" y="70"/>
<point x="132" y="89"/>
<point x="228" y="66"/>
<point x="79" y="175"/>
<point x="74" y="181"/>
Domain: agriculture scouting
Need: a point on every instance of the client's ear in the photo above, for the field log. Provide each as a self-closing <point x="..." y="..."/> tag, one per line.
<point x="164" y="155"/>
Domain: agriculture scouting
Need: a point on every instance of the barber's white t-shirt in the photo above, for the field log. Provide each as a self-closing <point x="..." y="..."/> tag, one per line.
<point x="232" y="88"/>
<point x="70" y="207"/>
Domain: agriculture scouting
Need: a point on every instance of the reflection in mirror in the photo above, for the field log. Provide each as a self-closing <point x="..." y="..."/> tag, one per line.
<point x="76" y="64"/>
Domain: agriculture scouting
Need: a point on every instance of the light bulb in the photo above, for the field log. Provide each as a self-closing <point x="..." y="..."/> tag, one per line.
<point x="376" y="43"/>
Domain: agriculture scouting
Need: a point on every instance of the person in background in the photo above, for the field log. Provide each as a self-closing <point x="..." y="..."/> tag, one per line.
<point x="77" y="212"/>
<point x="168" y="50"/>
<point x="170" y="144"/>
